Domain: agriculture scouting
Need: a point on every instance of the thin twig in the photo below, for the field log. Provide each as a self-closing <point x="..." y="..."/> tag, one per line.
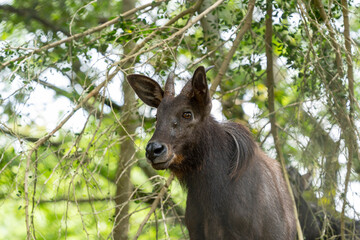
<point x="73" y="17"/>
<point x="34" y="192"/>
<point x="154" y="205"/>
<point x="43" y="140"/>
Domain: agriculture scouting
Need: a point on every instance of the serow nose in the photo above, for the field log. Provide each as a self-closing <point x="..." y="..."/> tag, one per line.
<point x="154" y="150"/>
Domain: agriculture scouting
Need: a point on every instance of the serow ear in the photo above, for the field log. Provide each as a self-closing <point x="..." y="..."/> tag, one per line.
<point x="200" y="87"/>
<point x="147" y="89"/>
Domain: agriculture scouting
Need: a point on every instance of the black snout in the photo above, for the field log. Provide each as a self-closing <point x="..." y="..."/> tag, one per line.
<point x="154" y="150"/>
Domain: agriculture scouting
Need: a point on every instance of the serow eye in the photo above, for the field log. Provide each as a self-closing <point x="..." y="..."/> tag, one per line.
<point x="187" y="115"/>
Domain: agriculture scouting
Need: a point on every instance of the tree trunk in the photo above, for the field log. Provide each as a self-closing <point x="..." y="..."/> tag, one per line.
<point x="127" y="152"/>
<point x="123" y="183"/>
<point x="271" y="105"/>
<point x="349" y="134"/>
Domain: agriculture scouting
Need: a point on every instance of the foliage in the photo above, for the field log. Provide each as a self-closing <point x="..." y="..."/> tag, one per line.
<point x="65" y="112"/>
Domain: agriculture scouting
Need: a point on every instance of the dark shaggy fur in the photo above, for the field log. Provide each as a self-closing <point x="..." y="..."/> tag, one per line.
<point x="234" y="190"/>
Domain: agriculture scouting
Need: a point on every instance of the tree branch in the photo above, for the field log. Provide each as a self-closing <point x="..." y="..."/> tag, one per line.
<point x="80" y="35"/>
<point x="271" y="106"/>
<point x="224" y="66"/>
<point x="31" y="13"/>
<point x="6" y="130"/>
<point x="71" y="97"/>
<point x="334" y="44"/>
<point x="350" y="135"/>
<point x="135" y="52"/>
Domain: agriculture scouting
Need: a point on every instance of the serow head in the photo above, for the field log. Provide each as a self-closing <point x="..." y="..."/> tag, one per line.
<point x="178" y="117"/>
